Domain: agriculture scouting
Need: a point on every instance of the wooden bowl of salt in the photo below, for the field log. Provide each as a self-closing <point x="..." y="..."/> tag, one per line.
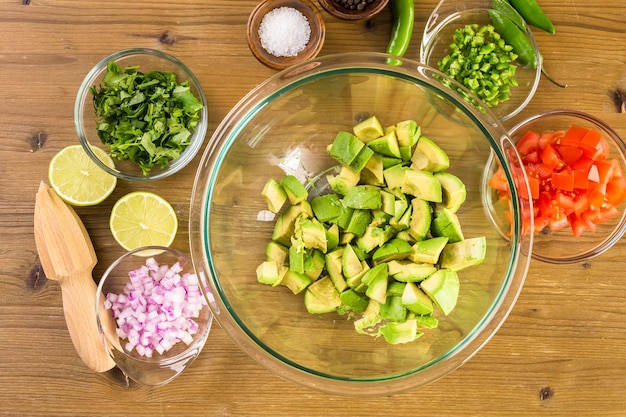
<point x="282" y="33"/>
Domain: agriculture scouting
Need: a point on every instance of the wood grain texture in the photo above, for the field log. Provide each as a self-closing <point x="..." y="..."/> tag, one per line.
<point x="560" y="353"/>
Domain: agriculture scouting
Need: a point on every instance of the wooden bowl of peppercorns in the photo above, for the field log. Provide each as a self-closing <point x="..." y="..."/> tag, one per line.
<point x="353" y="9"/>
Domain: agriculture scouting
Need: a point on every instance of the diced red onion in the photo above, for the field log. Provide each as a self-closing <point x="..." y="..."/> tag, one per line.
<point x="157" y="308"/>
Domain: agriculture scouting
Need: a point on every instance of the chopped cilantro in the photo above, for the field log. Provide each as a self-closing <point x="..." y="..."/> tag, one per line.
<point x="148" y="118"/>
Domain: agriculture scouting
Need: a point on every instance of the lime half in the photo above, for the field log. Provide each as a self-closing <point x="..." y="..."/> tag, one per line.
<point x="143" y="218"/>
<point x="77" y="179"/>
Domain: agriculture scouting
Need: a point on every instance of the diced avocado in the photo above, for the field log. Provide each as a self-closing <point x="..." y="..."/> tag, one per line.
<point x="311" y="233"/>
<point x="400" y="207"/>
<point x="332" y="237"/>
<point x="353" y="301"/>
<point x="326" y="207"/>
<point x="377" y="288"/>
<point x="453" y="190"/>
<point x="334" y="268"/>
<point x="397" y="333"/>
<point x="361" y="159"/>
<point x="389" y="162"/>
<point x="344" y="180"/>
<point x="345" y="148"/>
<point x="404" y="235"/>
<point x="421" y="219"/>
<point x="443" y="288"/>
<point x="270" y="273"/>
<point x="374" y="236"/>
<point x="372" y="172"/>
<point x="343" y="220"/>
<point x="370" y="318"/>
<point x="422" y="184"/>
<point x="395" y="288"/>
<point x="386" y="145"/>
<point x="274" y="194"/>
<point x="388" y="202"/>
<point x="394" y="176"/>
<point x="366" y="197"/>
<point x="345" y="238"/>
<point x="407" y="132"/>
<point x="375" y="272"/>
<point x="393" y="249"/>
<point x="446" y="224"/>
<point x="415" y="300"/>
<point x="295" y="282"/>
<point x="460" y="255"/>
<point x="428" y="156"/>
<point x="321" y="297"/>
<point x="285" y="223"/>
<point x="393" y="309"/>
<point x="296" y="259"/>
<point x="314" y="264"/>
<point x="428" y="250"/>
<point x="276" y="252"/>
<point x="405" y="153"/>
<point x="356" y="281"/>
<point x="402" y="220"/>
<point x="350" y="262"/>
<point x="295" y="190"/>
<point x="368" y="129"/>
<point x="358" y="222"/>
<point x="426" y="321"/>
<point x="409" y="271"/>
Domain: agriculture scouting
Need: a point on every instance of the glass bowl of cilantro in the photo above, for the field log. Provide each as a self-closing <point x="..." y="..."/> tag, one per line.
<point x="492" y="53"/>
<point x="146" y="109"/>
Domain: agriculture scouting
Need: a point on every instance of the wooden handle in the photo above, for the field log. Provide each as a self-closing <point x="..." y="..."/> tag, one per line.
<point x="79" y="306"/>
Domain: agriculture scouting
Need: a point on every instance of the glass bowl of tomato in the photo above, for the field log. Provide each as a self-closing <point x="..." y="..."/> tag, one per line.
<point x="575" y="165"/>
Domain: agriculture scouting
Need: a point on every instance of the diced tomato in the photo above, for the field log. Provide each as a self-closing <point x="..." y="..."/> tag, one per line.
<point x="572" y="181"/>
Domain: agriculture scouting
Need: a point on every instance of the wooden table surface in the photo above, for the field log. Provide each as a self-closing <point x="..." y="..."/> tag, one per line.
<point x="562" y="351"/>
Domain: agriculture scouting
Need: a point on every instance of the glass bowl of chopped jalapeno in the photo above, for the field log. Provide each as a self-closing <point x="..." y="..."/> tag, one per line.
<point x="146" y="109"/>
<point x="339" y="215"/>
<point x="491" y="52"/>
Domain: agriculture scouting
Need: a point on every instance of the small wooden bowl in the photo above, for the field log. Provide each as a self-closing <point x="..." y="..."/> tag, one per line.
<point x="337" y="11"/>
<point x="316" y="40"/>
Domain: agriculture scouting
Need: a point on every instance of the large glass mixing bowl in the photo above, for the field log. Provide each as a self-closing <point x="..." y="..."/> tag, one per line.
<point x="283" y="127"/>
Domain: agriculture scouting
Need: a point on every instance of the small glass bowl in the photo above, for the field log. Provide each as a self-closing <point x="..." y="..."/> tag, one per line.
<point x="85" y="117"/>
<point x="561" y="247"/>
<point x="343" y="13"/>
<point x="438" y="35"/>
<point x="313" y="47"/>
<point x="157" y="368"/>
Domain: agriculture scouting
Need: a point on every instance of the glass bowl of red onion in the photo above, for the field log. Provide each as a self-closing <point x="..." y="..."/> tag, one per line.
<point x="153" y="314"/>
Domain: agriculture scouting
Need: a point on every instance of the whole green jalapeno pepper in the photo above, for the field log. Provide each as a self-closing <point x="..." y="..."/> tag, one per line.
<point x="515" y="37"/>
<point x="403" y="13"/>
<point x="504" y="7"/>
<point x="533" y="14"/>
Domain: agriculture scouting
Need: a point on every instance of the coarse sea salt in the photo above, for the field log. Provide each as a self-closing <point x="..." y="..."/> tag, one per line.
<point x="284" y="32"/>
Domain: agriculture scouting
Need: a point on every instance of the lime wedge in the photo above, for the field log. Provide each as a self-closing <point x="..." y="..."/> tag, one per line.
<point x="142" y="218"/>
<point x="77" y="179"/>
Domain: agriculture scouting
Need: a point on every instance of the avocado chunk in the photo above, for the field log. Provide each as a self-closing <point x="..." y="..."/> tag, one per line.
<point x="334" y="268"/>
<point x="393" y="249"/>
<point x="407" y="132"/>
<point x="270" y="273"/>
<point x="415" y="300"/>
<point x="393" y="309"/>
<point x="428" y="156"/>
<point x="365" y="197"/>
<point x="371" y="317"/>
<point x="310" y="233"/>
<point x="446" y="224"/>
<point x="274" y="194"/>
<point x="314" y="264"/>
<point x="276" y="252"/>
<point x="460" y="255"/>
<point x="394" y="176"/>
<point x="368" y="129"/>
<point x="377" y="287"/>
<point x="353" y="301"/>
<point x="326" y="207"/>
<point x="321" y="297"/>
<point x="285" y="223"/>
<point x="397" y="333"/>
<point x="386" y="145"/>
<point x="443" y="288"/>
<point x="428" y="250"/>
<point x="453" y="190"/>
<point x="295" y="282"/>
<point x="361" y="159"/>
<point x="421" y="219"/>
<point x="296" y="259"/>
<point x="422" y="184"/>
<point x="344" y="180"/>
<point x="409" y="271"/>
<point x="350" y="262"/>
<point x="332" y="237"/>
<point x="296" y="192"/>
<point x="345" y="148"/>
<point x="372" y="172"/>
<point x="359" y="221"/>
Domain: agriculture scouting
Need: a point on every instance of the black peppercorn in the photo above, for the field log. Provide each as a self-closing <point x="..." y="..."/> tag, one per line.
<point x="354" y="4"/>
